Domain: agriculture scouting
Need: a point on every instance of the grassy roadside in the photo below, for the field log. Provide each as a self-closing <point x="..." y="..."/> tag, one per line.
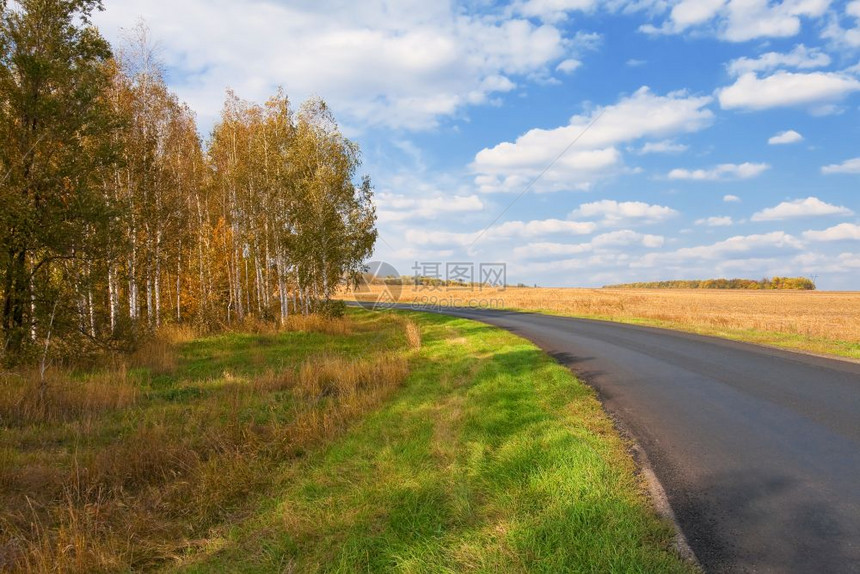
<point x="826" y="323"/>
<point x="383" y="441"/>
<point x="788" y="341"/>
<point x="490" y="457"/>
<point x="137" y="463"/>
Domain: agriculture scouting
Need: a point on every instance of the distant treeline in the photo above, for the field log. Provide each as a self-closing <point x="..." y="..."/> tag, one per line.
<point x="795" y="283"/>
<point x="416" y="281"/>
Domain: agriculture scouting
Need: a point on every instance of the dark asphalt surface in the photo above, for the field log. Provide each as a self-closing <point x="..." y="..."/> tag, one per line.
<point x="758" y="449"/>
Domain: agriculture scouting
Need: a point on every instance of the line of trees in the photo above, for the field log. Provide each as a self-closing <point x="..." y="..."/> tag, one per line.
<point x="114" y="219"/>
<point x="794" y="283"/>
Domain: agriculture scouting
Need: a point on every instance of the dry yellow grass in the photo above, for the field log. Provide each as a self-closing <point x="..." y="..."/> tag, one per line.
<point x="816" y="321"/>
<point x="27" y="397"/>
<point x="128" y="467"/>
<point x="413" y="334"/>
<point x="351" y="387"/>
<point x="318" y="324"/>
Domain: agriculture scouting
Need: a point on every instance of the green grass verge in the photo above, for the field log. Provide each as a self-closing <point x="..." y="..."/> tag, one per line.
<point x="490" y="458"/>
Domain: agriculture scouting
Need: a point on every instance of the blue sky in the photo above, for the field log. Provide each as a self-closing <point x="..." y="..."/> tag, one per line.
<point x="701" y="138"/>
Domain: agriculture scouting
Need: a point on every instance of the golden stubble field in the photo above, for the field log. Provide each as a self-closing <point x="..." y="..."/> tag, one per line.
<point x="816" y="321"/>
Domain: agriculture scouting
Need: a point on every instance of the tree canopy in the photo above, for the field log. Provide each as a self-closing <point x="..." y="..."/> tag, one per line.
<point x="117" y="218"/>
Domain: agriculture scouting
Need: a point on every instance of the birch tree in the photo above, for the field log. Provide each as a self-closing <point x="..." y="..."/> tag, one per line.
<point x="115" y="220"/>
<point x="52" y="124"/>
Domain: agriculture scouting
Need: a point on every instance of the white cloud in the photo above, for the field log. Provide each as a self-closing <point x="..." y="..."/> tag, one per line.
<point x="715" y="221"/>
<point x="575" y="171"/>
<point x="786" y="137"/>
<point x="426" y="238"/>
<point x="739" y="20"/>
<point x="615" y="213"/>
<point x="818" y="263"/>
<point x="554" y="10"/>
<point x="815" y="263"/>
<point x="577" y="265"/>
<point x="845" y="37"/>
<point x="786" y="89"/>
<point x="848" y="262"/>
<point x="751" y="19"/>
<point x="568" y="66"/>
<point x="689" y="13"/>
<point x="541" y="227"/>
<point x="558" y="10"/>
<point x="412" y="254"/>
<point x="743" y="244"/>
<point x="723" y="171"/>
<point x="800" y="57"/>
<point x="847" y="166"/>
<point x="665" y="146"/>
<point x="731" y="198"/>
<point x="505" y="231"/>
<point x="593" y="151"/>
<point x="841" y="232"/>
<point x="391" y="207"/>
<point x="406" y="64"/>
<point x="827" y="265"/>
<point x="605" y="242"/>
<point x="809" y="207"/>
<point x="627" y="237"/>
<point x="739" y="246"/>
<point x="547" y="250"/>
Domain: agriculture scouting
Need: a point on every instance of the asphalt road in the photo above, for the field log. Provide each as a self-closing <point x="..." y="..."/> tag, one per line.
<point x="758" y="449"/>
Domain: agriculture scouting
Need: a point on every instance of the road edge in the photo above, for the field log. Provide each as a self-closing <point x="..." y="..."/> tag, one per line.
<point x="654" y="488"/>
<point x="644" y="323"/>
<point x="656" y="492"/>
<point x="647" y="325"/>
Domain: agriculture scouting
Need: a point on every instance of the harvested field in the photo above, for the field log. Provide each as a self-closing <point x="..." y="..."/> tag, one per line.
<point x="815" y="321"/>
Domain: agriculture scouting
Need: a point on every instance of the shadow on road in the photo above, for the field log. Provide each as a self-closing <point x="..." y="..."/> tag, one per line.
<point x="786" y="526"/>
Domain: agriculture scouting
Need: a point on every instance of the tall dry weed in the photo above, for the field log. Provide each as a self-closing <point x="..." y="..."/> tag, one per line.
<point x="337" y="391"/>
<point x="257" y="326"/>
<point x="178" y="333"/>
<point x="157" y="354"/>
<point x="83" y="542"/>
<point x="316" y="323"/>
<point x="272" y="380"/>
<point x="413" y="334"/>
<point x="325" y="376"/>
<point x="28" y="396"/>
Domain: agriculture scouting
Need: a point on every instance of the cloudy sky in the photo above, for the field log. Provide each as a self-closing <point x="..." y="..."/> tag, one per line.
<point x="582" y="142"/>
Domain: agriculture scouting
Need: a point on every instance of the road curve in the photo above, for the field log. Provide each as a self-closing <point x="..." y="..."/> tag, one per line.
<point x="758" y="449"/>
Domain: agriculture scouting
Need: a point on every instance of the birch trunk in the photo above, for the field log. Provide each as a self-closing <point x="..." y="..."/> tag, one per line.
<point x="113" y="299"/>
<point x="179" y="285"/>
<point x="157" y="279"/>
